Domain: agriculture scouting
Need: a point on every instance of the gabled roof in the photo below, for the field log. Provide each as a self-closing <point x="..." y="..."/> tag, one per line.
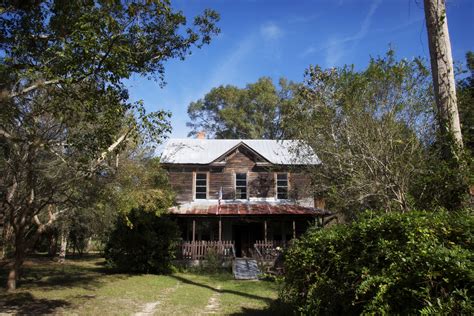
<point x="206" y="151"/>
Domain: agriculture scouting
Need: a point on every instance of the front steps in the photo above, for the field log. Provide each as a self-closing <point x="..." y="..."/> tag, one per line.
<point x="245" y="269"/>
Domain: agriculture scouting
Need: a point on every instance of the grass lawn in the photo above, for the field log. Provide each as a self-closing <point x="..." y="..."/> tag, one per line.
<point x="84" y="286"/>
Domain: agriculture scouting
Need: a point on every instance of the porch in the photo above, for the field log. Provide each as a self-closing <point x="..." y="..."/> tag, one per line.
<point x="239" y="237"/>
<point x="200" y="250"/>
<point x="249" y="229"/>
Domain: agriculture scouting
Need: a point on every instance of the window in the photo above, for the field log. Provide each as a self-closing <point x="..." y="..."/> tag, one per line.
<point x="240" y="186"/>
<point x="282" y="186"/>
<point x="201" y="186"/>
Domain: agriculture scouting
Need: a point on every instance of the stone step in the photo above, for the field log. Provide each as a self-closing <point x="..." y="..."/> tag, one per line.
<point x="245" y="269"/>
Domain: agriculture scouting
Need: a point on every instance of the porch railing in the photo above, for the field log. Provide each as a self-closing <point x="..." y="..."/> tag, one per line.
<point x="268" y="250"/>
<point x="198" y="250"/>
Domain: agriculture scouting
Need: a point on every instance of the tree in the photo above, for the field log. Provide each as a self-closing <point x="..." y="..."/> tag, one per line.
<point x="252" y="112"/>
<point x="465" y="93"/>
<point x="443" y="74"/>
<point x="369" y="128"/>
<point x="64" y="108"/>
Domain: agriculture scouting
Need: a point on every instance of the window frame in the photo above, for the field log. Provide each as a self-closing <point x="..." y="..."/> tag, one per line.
<point x="240" y="186"/>
<point x="277" y="186"/>
<point x="195" y="185"/>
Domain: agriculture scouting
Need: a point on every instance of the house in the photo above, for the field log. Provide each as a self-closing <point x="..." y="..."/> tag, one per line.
<point x="241" y="196"/>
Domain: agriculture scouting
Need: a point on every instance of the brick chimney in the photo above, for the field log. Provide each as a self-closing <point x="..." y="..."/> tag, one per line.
<point x="201" y="135"/>
<point x="319" y="202"/>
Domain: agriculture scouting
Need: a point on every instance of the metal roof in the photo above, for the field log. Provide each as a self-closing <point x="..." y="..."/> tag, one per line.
<point x="247" y="209"/>
<point x="206" y="151"/>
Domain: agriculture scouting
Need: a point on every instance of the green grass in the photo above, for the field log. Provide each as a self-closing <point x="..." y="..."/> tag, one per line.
<point x="85" y="287"/>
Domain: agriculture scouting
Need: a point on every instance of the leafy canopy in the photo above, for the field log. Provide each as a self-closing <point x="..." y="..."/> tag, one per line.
<point x="370" y="128"/>
<point x="251" y="112"/>
<point x="64" y="107"/>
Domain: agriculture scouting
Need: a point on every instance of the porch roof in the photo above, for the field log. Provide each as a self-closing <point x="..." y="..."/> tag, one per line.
<point x="247" y="209"/>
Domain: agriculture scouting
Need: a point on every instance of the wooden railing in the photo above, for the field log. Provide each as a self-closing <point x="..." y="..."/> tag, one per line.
<point x="268" y="250"/>
<point x="198" y="250"/>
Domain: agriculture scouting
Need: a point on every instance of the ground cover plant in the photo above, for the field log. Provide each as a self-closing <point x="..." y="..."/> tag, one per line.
<point x="411" y="263"/>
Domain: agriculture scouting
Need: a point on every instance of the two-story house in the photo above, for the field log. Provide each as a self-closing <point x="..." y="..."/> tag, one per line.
<point x="241" y="192"/>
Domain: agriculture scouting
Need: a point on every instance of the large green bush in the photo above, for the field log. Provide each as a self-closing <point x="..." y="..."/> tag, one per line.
<point x="142" y="242"/>
<point x="410" y="263"/>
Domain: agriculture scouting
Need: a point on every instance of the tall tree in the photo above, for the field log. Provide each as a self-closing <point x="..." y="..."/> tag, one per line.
<point x="251" y="112"/>
<point x="443" y="73"/>
<point x="369" y="128"/>
<point x="64" y="108"/>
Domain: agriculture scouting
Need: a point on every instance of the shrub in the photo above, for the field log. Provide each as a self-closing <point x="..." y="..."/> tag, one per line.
<point x="142" y="242"/>
<point x="416" y="262"/>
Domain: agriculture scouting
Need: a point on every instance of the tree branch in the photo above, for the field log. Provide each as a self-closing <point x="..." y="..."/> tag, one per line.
<point x="33" y="87"/>
<point x="111" y="148"/>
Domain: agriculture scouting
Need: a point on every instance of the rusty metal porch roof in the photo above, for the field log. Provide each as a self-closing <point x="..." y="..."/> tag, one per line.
<point x="248" y="209"/>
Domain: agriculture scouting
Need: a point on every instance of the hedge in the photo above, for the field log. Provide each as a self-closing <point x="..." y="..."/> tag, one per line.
<point x="411" y="263"/>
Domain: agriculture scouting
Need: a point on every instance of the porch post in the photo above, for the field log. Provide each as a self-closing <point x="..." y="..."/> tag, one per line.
<point x="283" y="231"/>
<point x="294" y="229"/>
<point x="194" y="230"/>
<point x="265" y="229"/>
<point x="220" y="229"/>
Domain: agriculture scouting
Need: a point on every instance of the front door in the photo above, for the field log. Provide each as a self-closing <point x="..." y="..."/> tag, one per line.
<point x="245" y="236"/>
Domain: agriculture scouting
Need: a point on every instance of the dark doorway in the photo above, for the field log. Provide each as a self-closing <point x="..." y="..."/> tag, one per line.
<point x="245" y="236"/>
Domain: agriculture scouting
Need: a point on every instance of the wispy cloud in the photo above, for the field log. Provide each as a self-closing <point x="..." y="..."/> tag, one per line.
<point x="334" y="53"/>
<point x="336" y="47"/>
<point x="271" y="31"/>
<point x="302" y="19"/>
<point x="227" y="69"/>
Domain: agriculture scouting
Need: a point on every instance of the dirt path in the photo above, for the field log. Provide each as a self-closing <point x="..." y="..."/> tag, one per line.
<point x="150" y="308"/>
<point x="213" y="304"/>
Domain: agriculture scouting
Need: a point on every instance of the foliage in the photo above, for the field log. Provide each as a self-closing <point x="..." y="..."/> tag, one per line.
<point x="444" y="180"/>
<point x="142" y="242"/>
<point x="64" y="108"/>
<point x="252" y="112"/>
<point x="370" y="129"/>
<point x="138" y="182"/>
<point x="396" y="263"/>
<point x="465" y="95"/>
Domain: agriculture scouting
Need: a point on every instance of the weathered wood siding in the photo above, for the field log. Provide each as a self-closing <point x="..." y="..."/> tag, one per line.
<point x="220" y="179"/>
<point x="182" y="184"/>
<point x="260" y="182"/>
<point x="300" y="184"/>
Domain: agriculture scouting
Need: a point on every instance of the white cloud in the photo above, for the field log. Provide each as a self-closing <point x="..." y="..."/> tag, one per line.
<point x="271" y="32"/>
<point x="334" y="53"/>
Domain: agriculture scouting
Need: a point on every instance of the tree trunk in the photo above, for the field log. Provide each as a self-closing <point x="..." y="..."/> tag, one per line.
<point x="14" y="273"/>
<point x="442" y="70"/>
<point x="53" y="245"/>
<point x="7" y="239"/>
<point x="63" y="248"/>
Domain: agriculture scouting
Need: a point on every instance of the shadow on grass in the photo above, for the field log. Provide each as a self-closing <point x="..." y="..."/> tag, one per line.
<point x="246" y="295"/>
<point x="42" y="272"/>
<point x="274" y="307"/>
<point x="25" y="303"/>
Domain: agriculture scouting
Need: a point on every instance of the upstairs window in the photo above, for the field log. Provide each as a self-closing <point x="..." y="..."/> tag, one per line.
<point x="282" y="186"/>
<point x="201" y="186"/>
<point x="241" y="186"/>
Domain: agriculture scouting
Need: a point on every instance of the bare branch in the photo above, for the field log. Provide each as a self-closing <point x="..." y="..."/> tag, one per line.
<point x="33" y="87"/>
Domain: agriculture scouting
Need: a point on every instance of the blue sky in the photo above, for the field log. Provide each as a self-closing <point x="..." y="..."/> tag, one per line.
<point x="282" y="38"/>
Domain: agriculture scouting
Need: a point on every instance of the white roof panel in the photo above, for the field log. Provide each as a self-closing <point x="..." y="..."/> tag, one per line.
<point x="205" y="151"/>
